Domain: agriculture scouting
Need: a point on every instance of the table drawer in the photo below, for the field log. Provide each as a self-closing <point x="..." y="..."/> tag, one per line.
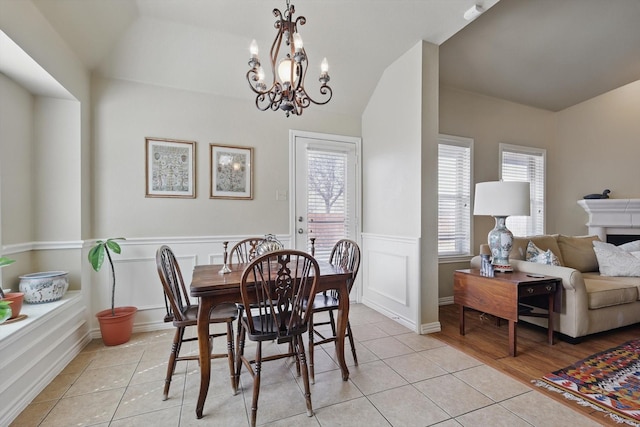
<point x="528" y="290"/>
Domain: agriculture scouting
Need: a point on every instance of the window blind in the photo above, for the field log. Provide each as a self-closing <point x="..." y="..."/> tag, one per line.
<point x="454" y="199"/>
<point x="327" y="207"/>
<point x="526" y="164"/>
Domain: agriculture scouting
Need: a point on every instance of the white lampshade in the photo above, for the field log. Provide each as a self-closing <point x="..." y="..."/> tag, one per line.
<point x="502" y="198"/>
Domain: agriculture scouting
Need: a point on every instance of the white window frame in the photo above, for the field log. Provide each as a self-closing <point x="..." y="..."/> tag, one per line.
<point x="538" y="201"/>
<point x="465" y="143"/>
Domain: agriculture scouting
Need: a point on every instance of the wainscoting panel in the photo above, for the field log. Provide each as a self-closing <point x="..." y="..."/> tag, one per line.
<point x="137" y="277"/>
<point x="35" y="352"/>
<point x="391" y="277"/>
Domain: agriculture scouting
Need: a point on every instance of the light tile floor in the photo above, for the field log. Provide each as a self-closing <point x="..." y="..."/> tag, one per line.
<point x="402" y="379"/>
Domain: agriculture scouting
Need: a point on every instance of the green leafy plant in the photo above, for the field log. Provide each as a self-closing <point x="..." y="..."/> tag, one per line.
<point x="96" y="258"/>
<point x="5" y="310"/>
<point x="4" y="261"/>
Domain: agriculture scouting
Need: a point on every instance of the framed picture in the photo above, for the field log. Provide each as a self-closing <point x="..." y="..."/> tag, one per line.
<point x="170" y="168"/>
<point x="231" y="172"/>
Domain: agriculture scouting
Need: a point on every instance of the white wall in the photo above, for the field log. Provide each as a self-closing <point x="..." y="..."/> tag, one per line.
<point x="56" y="170"/>
<point x="125" y="113"/>
<point x="399" y="129"/>
<point x="598" y="147"/>
<point x="391" y="133"/>
<point x="16" y="150"/>
<point x="490" y="121"/>
<point x="590" y="146"/>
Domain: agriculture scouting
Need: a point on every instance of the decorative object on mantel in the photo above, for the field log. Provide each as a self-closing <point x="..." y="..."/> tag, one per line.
<point x="287" y="91"/>
<point x="269" y="244"/>
<point x="46" y="286"/>
<point x="501" y="199"/>
<point x="604" y="195"/>
<point x="116" y="323"/>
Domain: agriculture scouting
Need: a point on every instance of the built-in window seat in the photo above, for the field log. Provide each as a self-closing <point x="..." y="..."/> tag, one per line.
<point x="33" y="351"/>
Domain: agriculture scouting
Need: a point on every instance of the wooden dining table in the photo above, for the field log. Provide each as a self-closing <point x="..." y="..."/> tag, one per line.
<point x="213" y="288"/>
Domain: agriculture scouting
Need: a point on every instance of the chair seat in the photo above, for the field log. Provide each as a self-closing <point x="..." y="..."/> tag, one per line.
<point x="226" y="312"/>
<point x="266" y="333"/>
<point x="325" y="302"/>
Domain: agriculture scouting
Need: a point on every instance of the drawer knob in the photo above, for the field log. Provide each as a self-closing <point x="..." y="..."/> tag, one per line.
<point x="530" y="290"/>
<point x="549" y="287"/>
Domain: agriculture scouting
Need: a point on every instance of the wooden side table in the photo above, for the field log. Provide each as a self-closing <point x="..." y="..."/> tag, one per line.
<point x="501" y="295"/>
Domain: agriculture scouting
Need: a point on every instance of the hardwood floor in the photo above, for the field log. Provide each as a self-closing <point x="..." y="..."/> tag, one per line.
<point x="489" y="343"/>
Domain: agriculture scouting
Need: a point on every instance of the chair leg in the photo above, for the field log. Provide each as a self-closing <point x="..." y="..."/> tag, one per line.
<point x="171" y="366"/>
<point x="299" y="345"/>
<point x="312" y="374"/>
<point x="333" y="323"/>
<point x="231" y="356"/>
<point x="351" y="341"/>
<point x="239" y="352"/>
<point x="256" y="383"/>
<point x="240" y="313"/>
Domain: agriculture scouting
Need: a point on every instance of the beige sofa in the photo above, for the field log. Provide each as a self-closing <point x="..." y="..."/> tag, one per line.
<point x="590" y="302"/>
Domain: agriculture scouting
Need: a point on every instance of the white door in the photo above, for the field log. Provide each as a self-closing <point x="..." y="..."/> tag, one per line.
<point x="325" y="190"/>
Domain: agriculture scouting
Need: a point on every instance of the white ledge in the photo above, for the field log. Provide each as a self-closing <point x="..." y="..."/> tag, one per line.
<point x="35" y="313"/>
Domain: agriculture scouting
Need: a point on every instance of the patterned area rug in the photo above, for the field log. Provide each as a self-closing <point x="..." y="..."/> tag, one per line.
<point x="608" y="381"/>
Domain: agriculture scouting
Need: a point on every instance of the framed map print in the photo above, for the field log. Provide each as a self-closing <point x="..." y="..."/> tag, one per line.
<point x="170" y="168"/>
<point x="231" y="172"/>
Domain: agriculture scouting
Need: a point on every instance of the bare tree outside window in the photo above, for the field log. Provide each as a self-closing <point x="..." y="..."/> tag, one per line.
<point x="326" y="178"/>
<point x="326" y="200"/>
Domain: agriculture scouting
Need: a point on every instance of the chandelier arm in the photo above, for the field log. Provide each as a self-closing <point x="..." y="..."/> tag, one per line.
<point x="324" y="90"/>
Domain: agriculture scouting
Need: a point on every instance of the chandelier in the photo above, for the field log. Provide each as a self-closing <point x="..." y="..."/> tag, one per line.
<point x="286" y="91"/>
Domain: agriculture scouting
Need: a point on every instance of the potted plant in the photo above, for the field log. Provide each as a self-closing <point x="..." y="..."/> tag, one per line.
<point x="14" y="298"/>
<point x="116" y="323"/>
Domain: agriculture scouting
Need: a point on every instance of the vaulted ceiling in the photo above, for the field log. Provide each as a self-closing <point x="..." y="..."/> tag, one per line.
<point x="549" y="54"/>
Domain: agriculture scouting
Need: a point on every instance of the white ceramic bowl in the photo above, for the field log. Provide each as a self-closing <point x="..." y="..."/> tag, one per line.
<point x="46" y="286"/>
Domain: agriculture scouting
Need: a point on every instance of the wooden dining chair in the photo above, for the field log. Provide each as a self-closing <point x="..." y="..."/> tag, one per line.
<point x="245" y="250"/>
<point x="276" y="284"/>
<point x="346" y="254"/>
<point x="183" y="314"/>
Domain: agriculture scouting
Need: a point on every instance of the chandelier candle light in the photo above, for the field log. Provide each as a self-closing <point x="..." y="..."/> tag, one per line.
<point x="288" y="69"/>
<point x="501" y="199"/>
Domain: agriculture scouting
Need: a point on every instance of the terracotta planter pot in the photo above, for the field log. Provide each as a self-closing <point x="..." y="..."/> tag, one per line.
<point x="16" y="306"/>
<point x="116" y="330"/>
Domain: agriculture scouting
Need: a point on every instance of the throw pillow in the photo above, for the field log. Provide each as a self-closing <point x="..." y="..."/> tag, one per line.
<point x="614" y="261"/>
<point x="537" y="255"/>
<point x="631" y="246"/>
<point x="543" y="241"/>
<point x="577" y="252"/>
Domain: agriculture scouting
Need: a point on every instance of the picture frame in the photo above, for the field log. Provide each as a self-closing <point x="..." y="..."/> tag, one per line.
<point x="170" y="169"/>
<point x="231" y="173"/>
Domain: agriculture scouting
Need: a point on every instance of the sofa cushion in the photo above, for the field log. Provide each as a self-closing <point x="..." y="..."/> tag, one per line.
<point x="537" y="255"/>
<point x="614" y="261"/>
<point x="544" y="242"/>
<point x="577" y="252"/>
<point x="605" y="291"/>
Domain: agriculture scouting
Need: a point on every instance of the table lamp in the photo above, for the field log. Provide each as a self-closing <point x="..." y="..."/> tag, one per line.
<point x="501" y="199"/>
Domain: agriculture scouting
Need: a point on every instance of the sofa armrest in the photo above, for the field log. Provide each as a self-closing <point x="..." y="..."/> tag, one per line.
<point x="571" y="278"/>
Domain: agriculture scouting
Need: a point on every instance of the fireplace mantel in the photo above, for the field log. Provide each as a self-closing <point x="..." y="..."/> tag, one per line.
<point x="612" y="216"/>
